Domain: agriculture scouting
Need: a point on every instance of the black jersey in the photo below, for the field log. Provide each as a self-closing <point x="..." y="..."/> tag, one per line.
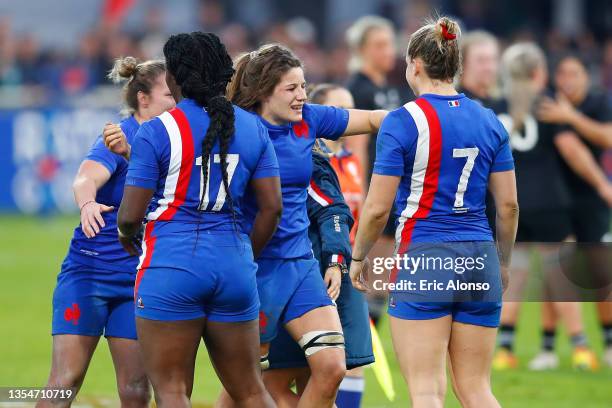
<point x="492" y="103"/>
<point x="370" y="96"/>
<point x="596" y="107"/>
<point x="541" y="185"/>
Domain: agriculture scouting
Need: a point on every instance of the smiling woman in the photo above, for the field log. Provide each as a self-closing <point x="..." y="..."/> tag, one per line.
<point x="270" y="82"/>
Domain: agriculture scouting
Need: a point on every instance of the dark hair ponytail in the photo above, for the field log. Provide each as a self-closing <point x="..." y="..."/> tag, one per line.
<point x="202" y="68"/>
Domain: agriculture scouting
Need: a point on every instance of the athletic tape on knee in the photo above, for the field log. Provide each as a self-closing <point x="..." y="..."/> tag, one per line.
<point x="315" y="341"/>
<point x="264" y="363"/>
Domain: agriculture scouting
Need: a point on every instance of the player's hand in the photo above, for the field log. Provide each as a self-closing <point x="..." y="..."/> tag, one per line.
<point x="115" y="140"/>
<point x="131" y="244"/>
<point x="333" y="281"/>
<point x="359" y="274"/>
<point x="605" y="192"/>
<point x="559" y="111"/>
<point x="505" y="277"/>
<point x="91" y="218"/>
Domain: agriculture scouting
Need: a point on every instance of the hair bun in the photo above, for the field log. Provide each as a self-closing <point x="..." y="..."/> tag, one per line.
<point x="124" y="68"/>
<point x="447" y="29"/>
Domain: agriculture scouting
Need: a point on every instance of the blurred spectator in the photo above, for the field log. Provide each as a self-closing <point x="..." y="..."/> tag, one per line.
<point x="9" y="73"/>
<point x="480" y="53"/>
<point x="153" y="37"/>
<point x="315" y="36"/>
<point x="211" y="15"/>
<point x="28" y="59"/>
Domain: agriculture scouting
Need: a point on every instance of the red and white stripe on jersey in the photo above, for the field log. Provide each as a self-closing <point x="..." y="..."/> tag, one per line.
<point x="337" y="258"/>
<point x="315" y="192"/>
<point x="179" y="168"/>
<point x="425" y="171"/>
<point x="148" y="246"/>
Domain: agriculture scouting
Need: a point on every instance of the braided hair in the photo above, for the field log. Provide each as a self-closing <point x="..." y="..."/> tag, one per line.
<point x="202" y="68"/>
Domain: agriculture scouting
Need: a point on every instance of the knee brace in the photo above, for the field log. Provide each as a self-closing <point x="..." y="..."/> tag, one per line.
<point x="264" y="363"/>
<point x="315" y="341"/>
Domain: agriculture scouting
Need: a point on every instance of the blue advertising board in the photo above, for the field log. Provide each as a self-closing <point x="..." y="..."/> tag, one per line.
<point x="40" y="152"/>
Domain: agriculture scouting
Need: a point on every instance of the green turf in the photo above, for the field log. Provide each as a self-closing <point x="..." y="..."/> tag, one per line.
<point x="32" y="250"/>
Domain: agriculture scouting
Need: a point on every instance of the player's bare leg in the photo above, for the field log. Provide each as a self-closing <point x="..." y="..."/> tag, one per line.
<point x="234" y="352"/>
<point x="504" y="358"/>
<point x="132" y="381"/>
<point x="561" y="308"/>
<point x="377" y="301"/>
<point x="327" y="366"/>
<point x="224" y="400"/>
<point x="69" y="361"/>
<point x="169" y="351"/>
<point x="421" y="348"/>
<point x="604" y="310"/>
<point x="471" y="354"/>
<point x="279" y="381"/>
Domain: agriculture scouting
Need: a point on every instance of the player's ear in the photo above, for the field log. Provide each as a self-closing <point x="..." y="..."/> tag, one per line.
<point x="417" y="66"/>
<point x="143" y="100"/>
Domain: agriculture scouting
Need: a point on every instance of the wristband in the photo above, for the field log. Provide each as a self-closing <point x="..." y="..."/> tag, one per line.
<point x="357" y="260"/>
<point x="342" y="266"/>
<point x="86" y="202"/>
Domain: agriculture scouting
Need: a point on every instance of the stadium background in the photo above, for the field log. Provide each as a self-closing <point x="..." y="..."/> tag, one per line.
<point x="54" y="100"/>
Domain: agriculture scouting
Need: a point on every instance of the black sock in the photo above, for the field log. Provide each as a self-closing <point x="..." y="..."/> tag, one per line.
<point x="579" y="340"/>
<point x="506" y="336"/>
<point x="548" y="340"/>
<point x="607" y="333"/>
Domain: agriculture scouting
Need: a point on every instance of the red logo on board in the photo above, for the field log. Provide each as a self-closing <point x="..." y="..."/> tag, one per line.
<point x="301" y="129"/>
<point x="73" y="314"/>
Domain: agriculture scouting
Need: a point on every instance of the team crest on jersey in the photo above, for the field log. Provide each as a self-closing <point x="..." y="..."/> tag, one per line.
<point x="300" y="129"/>
<point x="453" y="104"/>
<point x="139" y="303"/>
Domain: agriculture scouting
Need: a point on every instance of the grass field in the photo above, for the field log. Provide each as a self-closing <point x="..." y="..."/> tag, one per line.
<point x="32" y="250"/>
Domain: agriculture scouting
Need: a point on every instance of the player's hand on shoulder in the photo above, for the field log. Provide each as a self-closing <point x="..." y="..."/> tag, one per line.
<point x="557" y="111"/>
<point x="333" y="281"/>
<point x="91" y="217"/>
<point x="115" y="140"/>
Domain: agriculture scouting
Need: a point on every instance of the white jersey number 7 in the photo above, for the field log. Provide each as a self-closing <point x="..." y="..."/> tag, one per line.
<point x="471" y="153"/>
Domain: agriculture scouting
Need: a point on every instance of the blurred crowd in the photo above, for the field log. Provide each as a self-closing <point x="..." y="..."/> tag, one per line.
<point x="57" y="74"/>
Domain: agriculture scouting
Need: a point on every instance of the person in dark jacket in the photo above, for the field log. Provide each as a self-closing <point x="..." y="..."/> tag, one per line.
<point x="330" y="225"/>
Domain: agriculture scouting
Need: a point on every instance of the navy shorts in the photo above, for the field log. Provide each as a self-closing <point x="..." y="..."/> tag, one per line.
<point x="353" y="311"/>
<point x="288" y="289"/>
<point x="93" y="303"/>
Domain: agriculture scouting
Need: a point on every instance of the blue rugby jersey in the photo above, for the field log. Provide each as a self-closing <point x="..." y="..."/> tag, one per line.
<point x="166" y="158"/>
<point x="443" y="148"/>
<point x="104" y="252"/>
<point x="293" y="145"/>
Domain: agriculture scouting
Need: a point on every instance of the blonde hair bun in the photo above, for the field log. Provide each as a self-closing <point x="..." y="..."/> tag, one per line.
<point x="124" y="68"/>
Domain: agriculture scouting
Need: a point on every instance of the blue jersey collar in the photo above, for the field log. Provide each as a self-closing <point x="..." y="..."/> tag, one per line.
<point x="444" y="97"/>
